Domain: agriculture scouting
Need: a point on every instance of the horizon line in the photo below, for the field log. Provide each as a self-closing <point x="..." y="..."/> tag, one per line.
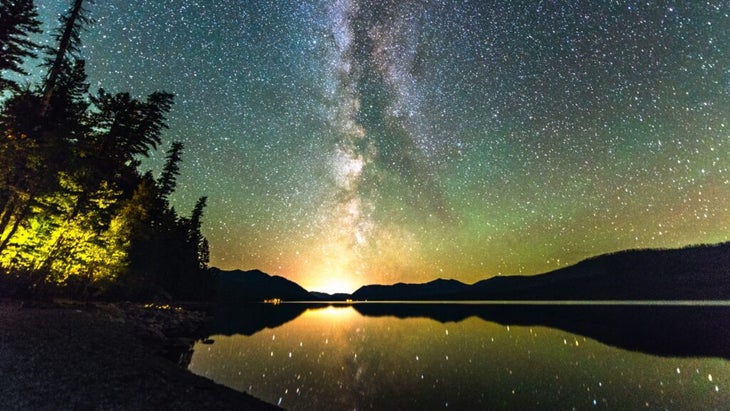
<point x="686" y="303"/>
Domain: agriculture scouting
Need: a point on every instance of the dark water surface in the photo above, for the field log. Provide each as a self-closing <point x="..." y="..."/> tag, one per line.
<point x="472" y="356"/>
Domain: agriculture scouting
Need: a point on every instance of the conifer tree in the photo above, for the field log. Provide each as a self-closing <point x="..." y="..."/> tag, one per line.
<point x="18" y="20"/>
<point x="68" y="43"/>
<point x="171" y="170"/>
<point x="128" y="127"/>
<point x="74" y="209"/>
<point x="198" y="243"/>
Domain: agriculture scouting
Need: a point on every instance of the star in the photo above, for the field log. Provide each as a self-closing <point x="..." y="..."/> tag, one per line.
<point x="378" y="141"/>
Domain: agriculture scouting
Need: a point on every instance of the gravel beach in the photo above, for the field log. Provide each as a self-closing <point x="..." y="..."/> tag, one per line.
<point x="98" y="357"/>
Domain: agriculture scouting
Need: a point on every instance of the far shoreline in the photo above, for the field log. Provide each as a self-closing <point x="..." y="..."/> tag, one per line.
<point x="690" y="303"/>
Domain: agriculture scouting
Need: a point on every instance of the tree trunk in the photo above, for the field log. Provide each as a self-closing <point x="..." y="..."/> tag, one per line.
<point x="63" y="47"/>
<point x="6" y="215"/>
<point x="53" y="254"/>
<point x="19" y="220"/>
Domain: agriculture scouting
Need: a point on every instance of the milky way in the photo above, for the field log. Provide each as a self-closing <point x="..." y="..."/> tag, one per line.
<point x="348" y="142"/>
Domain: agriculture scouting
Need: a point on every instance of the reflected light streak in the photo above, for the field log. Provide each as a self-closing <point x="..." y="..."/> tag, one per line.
<point x="331" y="313"/>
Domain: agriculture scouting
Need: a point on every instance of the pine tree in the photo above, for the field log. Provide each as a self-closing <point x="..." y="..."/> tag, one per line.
<point x="18" y="20"/>
<point x="40" y="146"/>
<point x="169" y="175"/>
<point x="74" y="209"/>
<point x="198" y="243"/>
<point x="68" y="40"/>
<point x="65" y="119"/>
<point x="128" y="127"/>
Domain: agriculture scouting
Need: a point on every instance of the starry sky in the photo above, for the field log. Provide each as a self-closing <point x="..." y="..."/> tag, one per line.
<point x="349" y="142"/>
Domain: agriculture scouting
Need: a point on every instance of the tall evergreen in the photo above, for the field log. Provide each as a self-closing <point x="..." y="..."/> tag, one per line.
<point x="171" y="170"/>
<point x="18" y="20"/>
<point x="39" y="145"/>
<point x="195" y="238"/>
<point x="68" y="43"/>
<point x="75" y="211"/>
<point x="127" y="127"/>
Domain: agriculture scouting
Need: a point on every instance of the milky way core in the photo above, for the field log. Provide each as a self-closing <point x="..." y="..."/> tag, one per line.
<point x="349" y="142"/>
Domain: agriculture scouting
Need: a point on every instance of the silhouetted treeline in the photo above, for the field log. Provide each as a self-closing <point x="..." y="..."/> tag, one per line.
<point x="76" y="215"/>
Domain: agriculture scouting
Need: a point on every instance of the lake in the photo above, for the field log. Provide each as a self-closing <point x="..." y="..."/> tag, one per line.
<point x="424" y="356"/>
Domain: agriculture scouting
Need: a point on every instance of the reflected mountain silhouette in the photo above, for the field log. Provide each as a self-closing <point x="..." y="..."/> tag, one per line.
<point x="665" y="330"/>
<point x="248" y="319"/>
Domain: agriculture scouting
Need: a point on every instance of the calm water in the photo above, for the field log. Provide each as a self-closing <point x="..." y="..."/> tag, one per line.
<point x="423" y="356"/>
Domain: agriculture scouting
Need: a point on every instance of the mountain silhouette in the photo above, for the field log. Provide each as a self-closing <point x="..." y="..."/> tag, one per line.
<point x="331" y="297"/>
<point x="255" y="286"/>
<point x="428" y="291"/>
<point x="693" y="273"/>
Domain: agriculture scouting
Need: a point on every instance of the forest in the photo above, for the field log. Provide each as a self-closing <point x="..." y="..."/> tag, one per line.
<point x="77" y="216"/>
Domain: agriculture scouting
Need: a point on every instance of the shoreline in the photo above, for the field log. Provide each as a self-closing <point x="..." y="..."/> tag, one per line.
<point x="111" y="356"/>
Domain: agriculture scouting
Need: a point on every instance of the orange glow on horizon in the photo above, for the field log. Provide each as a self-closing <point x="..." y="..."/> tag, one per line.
<point x="332" y="284"/>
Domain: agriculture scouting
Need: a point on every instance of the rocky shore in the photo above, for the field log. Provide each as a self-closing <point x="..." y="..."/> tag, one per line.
<point x="103" y="356"/>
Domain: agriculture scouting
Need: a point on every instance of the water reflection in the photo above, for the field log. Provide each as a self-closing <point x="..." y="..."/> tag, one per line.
<point x="400" y="357"/>
<point x="669" y="330"/>
<point x="248" y="319"/>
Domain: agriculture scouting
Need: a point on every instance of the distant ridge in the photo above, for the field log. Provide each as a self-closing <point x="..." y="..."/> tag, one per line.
<point x="331" y="297"/>
<point x="693" y="273"/>
<point x="432" y="290"/>
<point x="256" y="286"/>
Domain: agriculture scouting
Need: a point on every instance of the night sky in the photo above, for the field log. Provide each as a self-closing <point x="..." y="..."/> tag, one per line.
<point x="350" y="142"/>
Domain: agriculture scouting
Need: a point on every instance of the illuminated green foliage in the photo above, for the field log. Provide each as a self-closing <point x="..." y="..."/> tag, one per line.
<point x="75" y="213"/>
